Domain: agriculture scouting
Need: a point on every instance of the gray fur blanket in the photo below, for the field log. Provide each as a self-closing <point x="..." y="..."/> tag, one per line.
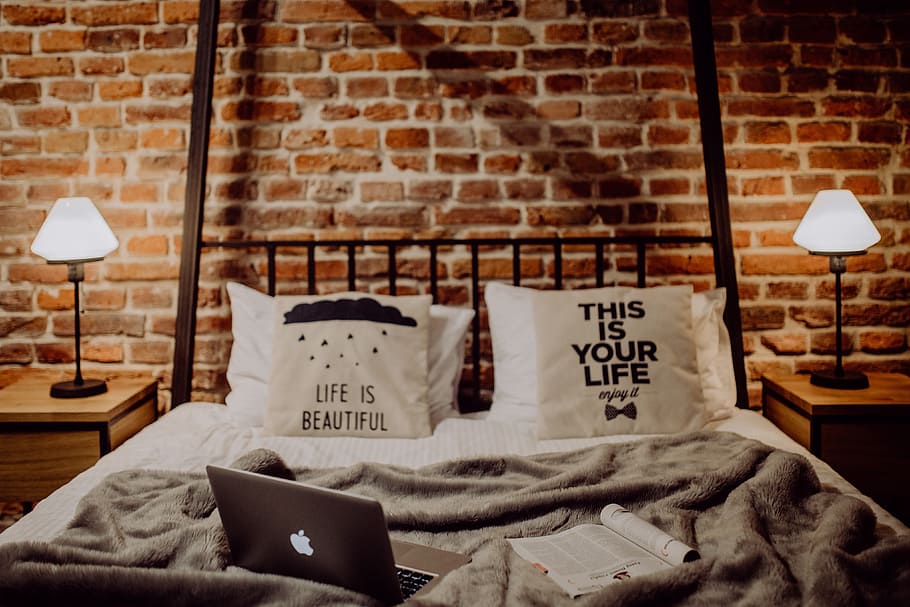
<point x="767" y="532"/>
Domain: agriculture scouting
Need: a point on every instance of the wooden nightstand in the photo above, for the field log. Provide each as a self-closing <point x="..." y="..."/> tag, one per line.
<point x="45" y="442"/>
<point x="863" y="434"/>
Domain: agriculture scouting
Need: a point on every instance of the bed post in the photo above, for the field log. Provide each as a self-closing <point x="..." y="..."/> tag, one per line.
<point x="197" y="162"/>
<point x="712" y="137"/>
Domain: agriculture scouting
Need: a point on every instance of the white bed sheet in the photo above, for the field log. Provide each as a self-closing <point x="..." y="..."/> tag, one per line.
<point x="196" y="434"/>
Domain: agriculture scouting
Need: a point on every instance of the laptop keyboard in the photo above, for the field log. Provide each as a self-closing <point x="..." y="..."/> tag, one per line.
<point x="411" y="581"/>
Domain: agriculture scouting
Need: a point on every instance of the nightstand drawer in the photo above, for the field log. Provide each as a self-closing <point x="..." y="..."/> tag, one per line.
<point x="794" y="424"/>
<point x="863" y="434"/>
<point x="34" y="464"/>
<point x="45" y="442"/>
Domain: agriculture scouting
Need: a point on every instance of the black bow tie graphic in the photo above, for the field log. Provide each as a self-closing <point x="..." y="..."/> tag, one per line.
<point x="612" y="412"/>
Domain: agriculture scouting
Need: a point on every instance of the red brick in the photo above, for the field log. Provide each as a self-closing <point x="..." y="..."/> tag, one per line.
<point x="16" y="353"/>
<point x="66" y="142"/>
<point x="61" y="41"/>
<point x="108" y="91"/>
<point x="559" y="110"/>
<point x="386" y="111"/>
<point x="653" y="81"/>
<point x="94" y="66"/>
<point x="394" y="61"/>
<point x="381" y="191"/>
<point x="367" y="87"/>
<point x="273" y="111"/>
<point x="882" y="342"/>
<point x="849" y="158"/>
<point x="14" y="168"/>
<point x="137" y="13"/>
<point x="456" y="163"/>
<point x="38" y="67"/>
<point x="825" y="343"/>
<point x="383" y="215"/>
<point x="470" y="35"/>
<point x="30" y="15"/>
<point x="327" y="163"/>
<point x="464" y="215"/>
<point x="99" y="116"/>
<point x="102" y="351"/>
<point x="346" y="62"/>
<point x="410" y="162"/>
<point x="525" y="189"/>
<point x="787" y="290"/>
<point x="55" y="352"/>
<point x="479" y="190"/>
<point x="351" y="137"/>
<point x="61" y="299"/>
<point x="813" y="316"/>
<point x="762" y="160"/>
<point x="174" y="37"/>
<point x="856" y="106"/>
<point x="513" y="35"/>
<point x="627" y="109"/>
<point x="779" y="264"/>
<point x="752" y="106"/>
<point x="15" y="43"/>
<point x="305" y="11"/>
<point x="764" y="186"/>
<point x="152" y="352"/>
<point x="756" y="318"/>
<point x="118" y="271"/>
<point x="863" y="184"/>
<point x="298" y="139"/>
<point x="786" y="343"/>
<point x="404" y="138"/>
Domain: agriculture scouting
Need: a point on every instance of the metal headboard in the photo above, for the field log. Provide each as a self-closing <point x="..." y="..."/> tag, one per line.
<point x="721" y="238"/>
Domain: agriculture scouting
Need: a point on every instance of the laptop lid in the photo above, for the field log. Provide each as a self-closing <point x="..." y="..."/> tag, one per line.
<point x="290" y="528"/>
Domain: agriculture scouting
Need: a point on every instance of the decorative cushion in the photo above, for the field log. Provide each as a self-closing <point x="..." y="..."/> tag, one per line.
<point x="250" y="363"/>
<point x="616" y="361"/>
<point x="514" y="344"/>
<point x="350" y="364"/>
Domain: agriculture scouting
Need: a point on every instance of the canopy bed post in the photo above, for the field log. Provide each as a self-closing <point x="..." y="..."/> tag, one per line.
<point x="712" y="140"/>
<point x="197" y="163"/>
<point x="715" y="174"/>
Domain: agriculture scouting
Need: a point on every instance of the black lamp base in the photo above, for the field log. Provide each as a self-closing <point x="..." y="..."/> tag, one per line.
<point x="847" y="380"/>
<point x="70" y="389"/>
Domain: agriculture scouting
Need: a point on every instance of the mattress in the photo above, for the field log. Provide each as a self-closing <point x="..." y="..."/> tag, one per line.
<point x="196" y="434"/>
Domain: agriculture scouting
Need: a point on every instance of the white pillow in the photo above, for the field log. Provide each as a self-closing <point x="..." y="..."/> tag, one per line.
<point x="249" y="366"/>
<point x="350" y="364"/>
<point x="510" y="313"/>
<point x="616" y="360"/>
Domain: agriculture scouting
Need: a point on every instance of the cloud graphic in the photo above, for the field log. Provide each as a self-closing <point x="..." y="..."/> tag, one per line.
<point x="363" y="308"/>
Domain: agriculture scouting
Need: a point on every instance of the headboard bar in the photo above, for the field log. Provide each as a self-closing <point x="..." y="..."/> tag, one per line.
<point x="556" y="247"/>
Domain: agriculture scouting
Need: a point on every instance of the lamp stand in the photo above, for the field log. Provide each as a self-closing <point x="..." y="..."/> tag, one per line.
<point x="837" y="378"/>
<point x="78" y="387"/>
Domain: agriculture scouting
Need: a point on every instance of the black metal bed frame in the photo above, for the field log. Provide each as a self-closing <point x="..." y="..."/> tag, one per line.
<point x="720" y="237"/>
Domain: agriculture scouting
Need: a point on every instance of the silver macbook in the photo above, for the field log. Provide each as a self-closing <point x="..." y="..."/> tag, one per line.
<point x="279" y="526"/>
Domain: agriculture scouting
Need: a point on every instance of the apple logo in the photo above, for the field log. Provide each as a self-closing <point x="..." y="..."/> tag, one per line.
<point x="301" y="543"/>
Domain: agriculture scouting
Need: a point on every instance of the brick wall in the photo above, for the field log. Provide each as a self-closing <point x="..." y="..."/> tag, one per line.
<point x="372" y="118"/>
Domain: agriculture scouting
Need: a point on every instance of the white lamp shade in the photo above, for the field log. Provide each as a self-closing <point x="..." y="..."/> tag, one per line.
<point x="836" y="224"/>
<point x="74" y="231"/>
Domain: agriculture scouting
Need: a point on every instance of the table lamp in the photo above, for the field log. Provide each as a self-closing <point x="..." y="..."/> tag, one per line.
<point x="73" y="233"/>
<point x="836" y="225"/>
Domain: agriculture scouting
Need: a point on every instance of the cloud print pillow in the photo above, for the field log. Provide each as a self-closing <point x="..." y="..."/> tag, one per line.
<point x="350" y="364"/>
<point x="616" y="361"/>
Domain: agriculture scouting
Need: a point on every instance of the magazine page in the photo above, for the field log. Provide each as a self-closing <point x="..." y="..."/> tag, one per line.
<point x="647" y="535"/>
<point x="586" y="558"/>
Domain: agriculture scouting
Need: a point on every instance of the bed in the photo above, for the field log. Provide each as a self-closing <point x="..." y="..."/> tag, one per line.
<point x="493" y="441"/>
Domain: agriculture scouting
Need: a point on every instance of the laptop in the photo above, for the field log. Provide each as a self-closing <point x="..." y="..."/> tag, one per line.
<point x="290" y="528"/>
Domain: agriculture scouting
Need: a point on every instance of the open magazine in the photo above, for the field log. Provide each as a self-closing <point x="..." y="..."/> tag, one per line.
<point x="588" y="557"/>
